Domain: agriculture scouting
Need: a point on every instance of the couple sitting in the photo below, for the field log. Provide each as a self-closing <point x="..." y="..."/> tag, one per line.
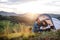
<point x="43" y="24"/>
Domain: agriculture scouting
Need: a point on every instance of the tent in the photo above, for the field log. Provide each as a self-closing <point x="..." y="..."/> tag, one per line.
<point x="56" y="23"/>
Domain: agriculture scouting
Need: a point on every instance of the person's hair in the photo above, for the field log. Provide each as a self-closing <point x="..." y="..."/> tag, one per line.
<point x="44" y="25"/>
<point x="37" y="19"/>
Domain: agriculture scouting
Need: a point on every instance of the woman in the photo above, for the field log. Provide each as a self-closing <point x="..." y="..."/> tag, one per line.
<point x="45" y="26"/>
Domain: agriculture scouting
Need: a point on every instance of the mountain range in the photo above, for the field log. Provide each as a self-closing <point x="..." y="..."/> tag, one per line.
<point x="27" y="17"/>
<point x="14" y="14"/>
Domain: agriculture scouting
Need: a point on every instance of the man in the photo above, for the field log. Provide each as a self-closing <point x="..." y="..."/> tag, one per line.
<point x="43" y="23"/>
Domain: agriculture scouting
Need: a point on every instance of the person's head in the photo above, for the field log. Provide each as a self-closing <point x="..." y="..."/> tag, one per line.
<point x="44" y="23"/>
<point x="38" y="21"/>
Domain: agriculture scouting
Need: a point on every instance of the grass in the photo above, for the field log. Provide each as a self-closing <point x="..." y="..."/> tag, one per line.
<point x="10" y="31"/>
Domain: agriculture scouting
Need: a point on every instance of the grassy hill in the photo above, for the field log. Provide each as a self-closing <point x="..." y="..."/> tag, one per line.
<point x="20" y="28"/>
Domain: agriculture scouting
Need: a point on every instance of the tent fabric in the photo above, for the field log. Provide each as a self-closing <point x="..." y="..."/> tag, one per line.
<point x="56" y="23"/>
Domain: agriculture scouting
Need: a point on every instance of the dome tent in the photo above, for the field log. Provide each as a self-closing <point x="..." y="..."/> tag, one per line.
<point x="48" y="19"/>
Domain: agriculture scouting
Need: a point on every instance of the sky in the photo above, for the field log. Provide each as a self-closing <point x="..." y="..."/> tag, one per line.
<point x="30" y="6"/>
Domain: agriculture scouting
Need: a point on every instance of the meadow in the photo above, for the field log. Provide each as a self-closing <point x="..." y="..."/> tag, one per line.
<point x="20" y="31"/>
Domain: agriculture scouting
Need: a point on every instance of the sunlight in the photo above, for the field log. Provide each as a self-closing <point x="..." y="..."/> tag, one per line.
<point x="31" y="15"/>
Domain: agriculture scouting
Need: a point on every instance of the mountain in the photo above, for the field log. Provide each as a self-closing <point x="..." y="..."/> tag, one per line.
<point x="7" y="13"/>
<point x="27" y="18"/>
<point x="54" y="15"/>
<point x="14" y="14"/>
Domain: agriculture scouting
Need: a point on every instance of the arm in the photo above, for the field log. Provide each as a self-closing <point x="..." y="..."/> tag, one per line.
<point x="51" y="24"/>
<point x="35" y="28"/>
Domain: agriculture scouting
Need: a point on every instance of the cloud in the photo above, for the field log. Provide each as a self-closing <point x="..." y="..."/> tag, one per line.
<point x="54" y="3"/>
<point x="3" y="0"/>
<point x="21" y="0"/>
<point x="41" y="6"/>
<point x="14" y="1"/>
